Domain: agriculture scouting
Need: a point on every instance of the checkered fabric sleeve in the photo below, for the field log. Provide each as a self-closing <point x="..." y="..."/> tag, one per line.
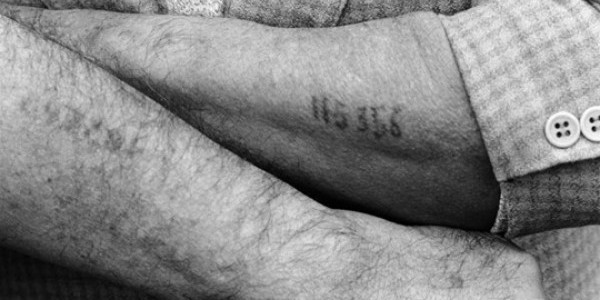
<point x="523" y="61"/>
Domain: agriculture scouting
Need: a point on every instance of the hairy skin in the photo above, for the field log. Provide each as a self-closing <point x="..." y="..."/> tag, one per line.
<point x="372" y="117"/>
<point x="96" y="176"/>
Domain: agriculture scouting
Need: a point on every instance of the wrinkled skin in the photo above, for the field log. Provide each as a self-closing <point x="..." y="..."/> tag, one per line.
<point x="372" y="111"/>
<point x="96" y="176"/>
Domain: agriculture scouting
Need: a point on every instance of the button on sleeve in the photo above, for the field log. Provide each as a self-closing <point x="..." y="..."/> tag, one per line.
<point x="590" y="124"/>
<point x="562" y="130"/>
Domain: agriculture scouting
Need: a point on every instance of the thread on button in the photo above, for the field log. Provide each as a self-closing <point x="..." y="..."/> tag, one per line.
<point x="563" y="129"/>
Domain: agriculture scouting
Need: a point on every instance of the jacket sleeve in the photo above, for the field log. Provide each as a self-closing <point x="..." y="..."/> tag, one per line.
<point x="522" y="62"/>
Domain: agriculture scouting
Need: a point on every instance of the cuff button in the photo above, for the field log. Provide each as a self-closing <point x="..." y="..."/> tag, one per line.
<point x="590" y="124"/>
<point x="563" y="130"/>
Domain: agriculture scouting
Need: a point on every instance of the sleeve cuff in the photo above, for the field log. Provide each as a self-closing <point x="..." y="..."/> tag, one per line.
<point x="561" y="197"/>
<point x="522" y="62"/>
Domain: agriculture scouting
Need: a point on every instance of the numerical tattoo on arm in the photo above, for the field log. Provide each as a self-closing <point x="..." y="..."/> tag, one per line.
<point x="380" y="120"/>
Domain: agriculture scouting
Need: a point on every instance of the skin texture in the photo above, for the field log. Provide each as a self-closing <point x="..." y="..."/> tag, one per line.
<point x="371" y="117"/>
<point x="75" y="115"/>
<point x="96" y="176"/>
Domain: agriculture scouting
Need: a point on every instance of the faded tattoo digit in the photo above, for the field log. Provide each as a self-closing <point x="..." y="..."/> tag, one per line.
<point x="394" y="126"/>
<point x="340" y="115"/>
<point x="379" y="128"/>
<point x="380" y="121"/>
<point x="363" y="124"/>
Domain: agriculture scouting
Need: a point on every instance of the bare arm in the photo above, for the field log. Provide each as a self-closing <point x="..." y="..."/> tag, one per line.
<point x="372" y="111"/>
<point x="94" y="175"/>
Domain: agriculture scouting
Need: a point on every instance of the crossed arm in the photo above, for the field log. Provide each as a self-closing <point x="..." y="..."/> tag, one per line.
<point x="97" y="176"/>
<point x="372" y="116"/>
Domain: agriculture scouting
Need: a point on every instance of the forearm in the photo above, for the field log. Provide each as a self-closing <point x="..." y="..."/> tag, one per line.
<point x="381" y="111"/>
<point x="373" y="111"/>
<point x="96" y="176"/>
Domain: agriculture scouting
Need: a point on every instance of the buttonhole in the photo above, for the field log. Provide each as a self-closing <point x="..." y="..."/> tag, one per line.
<point x="594" y="129"/>
<point x="592" y="120"/>
<point x="568" y="133"/>
<point x="566" y="124"/>
<point x="557" y="126"/>
<point x="559" y="135"/>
